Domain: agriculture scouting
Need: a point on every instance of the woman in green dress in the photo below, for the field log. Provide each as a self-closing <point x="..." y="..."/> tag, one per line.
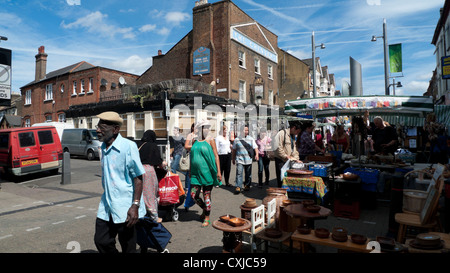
<point x="205" y="169"/>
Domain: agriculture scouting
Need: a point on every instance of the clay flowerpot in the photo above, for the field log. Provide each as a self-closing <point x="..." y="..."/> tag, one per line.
<point x="236" y="222"/>
<point x="339" y="234"/>
<point x="250" y="203"/>
<point x="322" y="233"/>
<point x="302" y="229"/>
<point x="358" y="239"/>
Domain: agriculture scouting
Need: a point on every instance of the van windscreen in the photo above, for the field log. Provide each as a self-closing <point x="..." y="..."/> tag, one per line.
<point x="4" y="141"/>
<point x="26" y="139"/>
<point x="94" y="134"/>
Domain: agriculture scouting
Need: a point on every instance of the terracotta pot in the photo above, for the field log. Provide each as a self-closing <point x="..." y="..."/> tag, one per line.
<point x="280" y="195"/>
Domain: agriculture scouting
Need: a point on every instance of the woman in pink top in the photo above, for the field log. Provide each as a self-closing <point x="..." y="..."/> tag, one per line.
<point x="263" y="141"/>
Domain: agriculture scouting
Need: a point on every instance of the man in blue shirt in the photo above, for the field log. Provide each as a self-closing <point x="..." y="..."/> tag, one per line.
<point x="242" y="146"/>
<point x="119" y="208"/>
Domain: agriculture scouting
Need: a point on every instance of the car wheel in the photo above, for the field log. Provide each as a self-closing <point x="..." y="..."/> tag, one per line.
<point x="90" y="155"/>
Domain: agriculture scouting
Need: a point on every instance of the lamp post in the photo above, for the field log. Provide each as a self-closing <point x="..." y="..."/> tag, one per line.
<point x="322" y="46"/>
<point x="386" y="61"/>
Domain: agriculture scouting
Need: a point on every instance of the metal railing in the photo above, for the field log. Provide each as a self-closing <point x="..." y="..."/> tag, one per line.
<point x="153" y="90"/>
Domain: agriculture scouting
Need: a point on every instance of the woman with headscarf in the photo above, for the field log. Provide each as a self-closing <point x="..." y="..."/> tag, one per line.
<point x="150" y="158"/>
<point x="205" y="169"/>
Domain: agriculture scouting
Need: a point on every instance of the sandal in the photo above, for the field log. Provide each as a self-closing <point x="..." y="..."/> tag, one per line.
<point x="206" y="223"/>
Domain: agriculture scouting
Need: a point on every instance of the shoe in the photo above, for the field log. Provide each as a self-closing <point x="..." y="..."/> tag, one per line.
<point x="228" y="185"/>
<point x="246" y="188"/>
<point x="260" y="186"/>
<point x="206" y="223"/>
<point x="237" y="190"/>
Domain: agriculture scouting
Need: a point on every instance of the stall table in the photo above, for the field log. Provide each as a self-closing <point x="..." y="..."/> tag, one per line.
<point x="309" y="185"/>
<point x="232" y="236"/>
<point x="310" y="238"/>
<point x="307" y="218"/>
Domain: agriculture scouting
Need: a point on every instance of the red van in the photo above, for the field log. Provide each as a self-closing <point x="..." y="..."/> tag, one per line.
<point x="30" y="150"/>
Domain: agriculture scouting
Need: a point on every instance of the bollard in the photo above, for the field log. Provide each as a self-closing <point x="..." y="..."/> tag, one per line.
<point x="65" y="177"/>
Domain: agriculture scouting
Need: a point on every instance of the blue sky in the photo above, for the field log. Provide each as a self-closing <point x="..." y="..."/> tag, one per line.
<point x="124" y="35"/>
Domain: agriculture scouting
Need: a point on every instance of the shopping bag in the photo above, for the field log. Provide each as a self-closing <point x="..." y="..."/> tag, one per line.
<point x="168" y="189"/>
<point x="151" y="234"/>
<point x="285" y="168"/>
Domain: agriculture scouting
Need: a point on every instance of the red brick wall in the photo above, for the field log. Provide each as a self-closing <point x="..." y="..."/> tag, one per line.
<point x="39" y="108"/>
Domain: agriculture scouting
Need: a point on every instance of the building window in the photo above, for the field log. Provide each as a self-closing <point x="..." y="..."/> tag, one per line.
<point x="28" y="97"/>
<point x="89" y="123"/>
<point x="82" y="87"/>
<point x="241" y="59"/>
<point x="270" y="97"/>
<point x="74" y="90"/>
<point x="62" y="88"/>
<point x="91" y="84"/>
<point x="27" y="122"/>
<point x="49" y="92"/>
<point x="257" y="66"/>
<point x="242" y="93"/>
<point x="62" y="117"/>
<point x="139" y="121"/>
<point x="270" y="71"/>
<point x="48" y="118"/>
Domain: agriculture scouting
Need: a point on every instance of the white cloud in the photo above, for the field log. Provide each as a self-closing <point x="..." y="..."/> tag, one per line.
<point x="177" y="17"/>
<point x="163" y="31"/>
<point x="95" y="23"/>
<point x="147" y="28"/>
<point x="73" y="2"/>
<point x="133" y="64"/>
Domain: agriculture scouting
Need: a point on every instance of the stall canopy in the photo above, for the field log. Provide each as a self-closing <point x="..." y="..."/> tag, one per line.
<point x="406" y="109"/>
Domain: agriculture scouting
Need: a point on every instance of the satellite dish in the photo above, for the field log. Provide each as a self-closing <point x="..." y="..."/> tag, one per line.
<point x="113" y="85"/>
<point x="122" y="81"/>
<point x="103" y="82"/>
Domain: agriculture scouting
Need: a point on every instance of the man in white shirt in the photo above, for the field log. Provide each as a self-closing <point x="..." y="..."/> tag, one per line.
<point x="242" y="157"/>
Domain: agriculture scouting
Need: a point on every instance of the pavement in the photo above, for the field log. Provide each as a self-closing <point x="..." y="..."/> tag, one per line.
<point x="187" y="234"/>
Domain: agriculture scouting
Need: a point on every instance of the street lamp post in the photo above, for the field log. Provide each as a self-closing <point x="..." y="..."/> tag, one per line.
<point x="322" y="46"/>
<point x="386" y="61"/>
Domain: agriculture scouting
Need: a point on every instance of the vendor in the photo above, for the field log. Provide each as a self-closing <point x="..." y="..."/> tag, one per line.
<point x="307" y="144"/>
<point x="384" y="137"/>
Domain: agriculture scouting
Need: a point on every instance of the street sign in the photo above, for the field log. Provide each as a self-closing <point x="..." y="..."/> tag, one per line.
<point x="5" y="77"/>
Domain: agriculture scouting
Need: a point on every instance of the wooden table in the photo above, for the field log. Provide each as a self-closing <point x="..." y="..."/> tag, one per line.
<point x="232" y="236"/>
<point x="310" y="238"/>
<point x="307" y="218"/>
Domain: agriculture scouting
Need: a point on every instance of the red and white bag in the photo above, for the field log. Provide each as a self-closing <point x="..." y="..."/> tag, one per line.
<point x="168" y="189"/>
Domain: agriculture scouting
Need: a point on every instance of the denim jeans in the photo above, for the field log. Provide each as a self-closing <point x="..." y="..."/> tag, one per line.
<point x="263" y="165"/>
<point x="240" y="169"/>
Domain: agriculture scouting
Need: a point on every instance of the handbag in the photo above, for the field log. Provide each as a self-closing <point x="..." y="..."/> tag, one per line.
<point x="185" y="162"/>
<point x="168" y="189"/>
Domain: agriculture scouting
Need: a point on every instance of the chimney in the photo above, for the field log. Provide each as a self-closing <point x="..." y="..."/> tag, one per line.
<point x="41" y="64"/>
<point x="159" y="52"/>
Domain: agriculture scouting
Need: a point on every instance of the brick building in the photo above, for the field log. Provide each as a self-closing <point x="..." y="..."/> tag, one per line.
<point x="226" y="59"/>
<point x="50" y="95"/>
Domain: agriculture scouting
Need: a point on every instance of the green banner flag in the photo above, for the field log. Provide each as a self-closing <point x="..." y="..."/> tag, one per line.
<point x="395" y="58"/>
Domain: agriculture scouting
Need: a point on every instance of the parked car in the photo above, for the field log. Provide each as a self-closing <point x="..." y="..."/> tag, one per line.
<point x="82" y="142"/>
<point x="30" y="150"/>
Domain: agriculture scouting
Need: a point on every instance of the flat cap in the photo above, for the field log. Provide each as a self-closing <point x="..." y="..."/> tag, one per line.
<point x="111" y="117"/>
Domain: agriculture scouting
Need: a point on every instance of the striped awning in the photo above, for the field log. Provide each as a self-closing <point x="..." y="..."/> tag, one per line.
<point x="443" y="114"/>
<point x="402" y="120"/>
<point x="398" y="106"/>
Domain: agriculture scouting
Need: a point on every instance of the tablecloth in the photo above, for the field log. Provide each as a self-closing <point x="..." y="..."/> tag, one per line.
<point x="310" y="185"/>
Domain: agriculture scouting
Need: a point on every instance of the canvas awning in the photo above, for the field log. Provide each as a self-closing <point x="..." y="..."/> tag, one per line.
<point x="399" y="106"/>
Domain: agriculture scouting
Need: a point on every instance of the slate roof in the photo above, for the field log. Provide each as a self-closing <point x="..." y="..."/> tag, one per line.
<point x="68" y="69"/>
